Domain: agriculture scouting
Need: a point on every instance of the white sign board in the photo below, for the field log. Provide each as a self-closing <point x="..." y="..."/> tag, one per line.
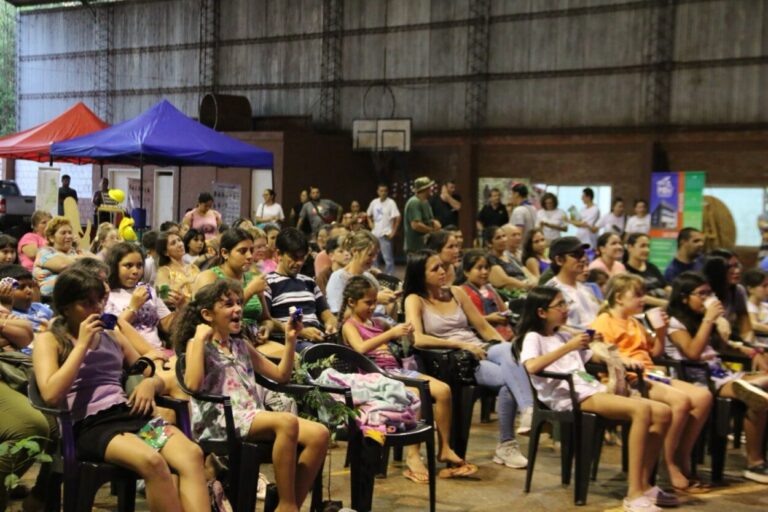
<point x="48" y="190"/>
<point x="226" y="200"/>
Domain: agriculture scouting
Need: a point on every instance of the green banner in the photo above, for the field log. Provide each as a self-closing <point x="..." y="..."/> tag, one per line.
<point x="662" y="251"/>
<point x="693" y="200"/>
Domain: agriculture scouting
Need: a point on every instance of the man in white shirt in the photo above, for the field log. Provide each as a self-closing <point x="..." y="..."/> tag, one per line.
<point x="384" y="219"/>
<point x="640" y="222"/>
<point x="524" y="214"/>
<point x="568" y="261"/>
<point x="587" y="221"/>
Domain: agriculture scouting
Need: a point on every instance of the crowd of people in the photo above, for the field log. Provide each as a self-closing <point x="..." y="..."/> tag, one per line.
<point x="225" y="296"/>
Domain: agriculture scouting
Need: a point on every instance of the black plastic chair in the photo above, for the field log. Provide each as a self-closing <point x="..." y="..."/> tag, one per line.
<point x="581" y="437"/>
<point x="346" y="360"/>
<point x="244" y="457"/>
<point x="436" y="363"/>
<point x="82" y="479"/>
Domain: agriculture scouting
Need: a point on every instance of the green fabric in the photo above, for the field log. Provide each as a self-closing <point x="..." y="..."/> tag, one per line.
<point x="252" y="309"/>
<point x="416" y="209"/>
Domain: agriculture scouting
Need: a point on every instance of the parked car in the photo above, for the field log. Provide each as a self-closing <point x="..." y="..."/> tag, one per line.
<point x="15" y="209"/>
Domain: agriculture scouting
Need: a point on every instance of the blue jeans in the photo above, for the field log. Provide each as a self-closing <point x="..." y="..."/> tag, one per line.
<point x="499" y="370"/>
<point x="387" y="254"/>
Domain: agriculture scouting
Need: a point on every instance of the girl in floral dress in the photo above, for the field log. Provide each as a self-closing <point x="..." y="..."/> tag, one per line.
<point x="221" y="361"/>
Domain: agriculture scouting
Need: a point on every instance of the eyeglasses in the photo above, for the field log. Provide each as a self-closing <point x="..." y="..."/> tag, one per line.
<point x="561" y="305"/>
<point x="703" y="294"/>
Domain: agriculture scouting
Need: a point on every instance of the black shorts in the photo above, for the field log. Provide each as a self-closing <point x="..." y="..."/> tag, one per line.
<point x="94" y="433"/>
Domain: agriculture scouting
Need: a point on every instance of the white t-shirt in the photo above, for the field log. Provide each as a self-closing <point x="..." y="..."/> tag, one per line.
<point x="610" y="223"/>
<point x="524" y="216"/>
<point x="582" y="304"/>
<point x="383" y="214"/>
<point x="556" y="216"/>
<point x="675" y="325"/>
<point x="554" y="392"/>
<point x="146" y="320"/>
<point x="761" y="313"/>
<point x="272" y="210"/>
<point x="637" y="224"/>
<point x="589" y="215"/>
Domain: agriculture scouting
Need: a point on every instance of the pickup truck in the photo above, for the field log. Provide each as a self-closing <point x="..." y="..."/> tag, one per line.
<point x="15" y="210"/>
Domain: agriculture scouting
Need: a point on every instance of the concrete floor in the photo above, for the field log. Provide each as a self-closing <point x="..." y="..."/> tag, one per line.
<point x="496" y="488"/>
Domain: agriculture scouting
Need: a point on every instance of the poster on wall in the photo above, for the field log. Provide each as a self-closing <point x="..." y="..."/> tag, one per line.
<point x="134" y="196"/>
<point x="226" y="200"/>
<point x="677" y="201"/>
<point x="535" y="191"/>
<point x="47" y="198"/>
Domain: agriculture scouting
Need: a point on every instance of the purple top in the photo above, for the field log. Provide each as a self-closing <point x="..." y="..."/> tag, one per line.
<point x="98" y="383"/>
<point x="381" y="355"/>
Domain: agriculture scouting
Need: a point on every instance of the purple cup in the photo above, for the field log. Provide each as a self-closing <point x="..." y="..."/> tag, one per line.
<point x="108" y="320"/>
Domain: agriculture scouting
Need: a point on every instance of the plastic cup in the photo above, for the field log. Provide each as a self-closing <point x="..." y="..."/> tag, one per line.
<point x="655" y="318"/>
<point x="108" y="320"/>
<point x="709" y="301"/>
<point x="164" y="290"/>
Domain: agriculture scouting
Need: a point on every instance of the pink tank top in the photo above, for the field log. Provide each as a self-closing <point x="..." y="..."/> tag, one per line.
<point x="381" y="355"/>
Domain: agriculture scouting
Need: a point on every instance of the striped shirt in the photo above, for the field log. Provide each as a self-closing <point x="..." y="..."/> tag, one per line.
<point x="283" y="291"/>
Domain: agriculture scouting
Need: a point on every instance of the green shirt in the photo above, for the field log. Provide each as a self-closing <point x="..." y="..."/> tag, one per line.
<point x="416" y="209"/>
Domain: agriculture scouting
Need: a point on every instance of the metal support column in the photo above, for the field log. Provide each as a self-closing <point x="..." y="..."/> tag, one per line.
<point x="660" y="56"/>
<point x="210" y="21"/>
<point x="478" y="53"/>
<point x="331" y="63"/>
<point x="104" y="15"/>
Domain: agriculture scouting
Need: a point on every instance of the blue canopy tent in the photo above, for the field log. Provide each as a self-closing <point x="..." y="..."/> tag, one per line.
<point x="162" y="136"/>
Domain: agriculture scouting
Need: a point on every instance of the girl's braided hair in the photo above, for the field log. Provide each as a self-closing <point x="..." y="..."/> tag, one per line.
<point x="355" y="290"/>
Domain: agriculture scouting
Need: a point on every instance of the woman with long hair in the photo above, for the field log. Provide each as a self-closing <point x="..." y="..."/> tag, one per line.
<point x="444" y="317"/>
<point x="506" y="272"/>
<point x="656" y="287"/>
<point x="693" y="310"/>
<point x="535" y="253"/>
<point x="80" y="362"/>
<point x="220" y="360"/>
<point x="723" y="271"/>
<point x="445" y="244"/>
<point x="172" y="272"/>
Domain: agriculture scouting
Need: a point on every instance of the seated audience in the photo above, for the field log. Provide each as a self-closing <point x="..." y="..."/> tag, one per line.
<point x="756" y="283"/>
<point x="443" y="316"/>
<point x="340" y="258"/>
<point x="690" y="404"/>
<point x="323" y="259"/>
<point x="34" y="240"/>
<point x="569" y="260"/>
<point x="80" y="362"/>
<point x="221" y="360"/>
<point x="444" y="243"/>
<point x="693" y="311"/>
<point x="610" y="251"/>
<point x="269" y="263"/>
<point x="638" y="251"/>
<point x="286" y="287"/>
<point x="8" y="246"/>
<point x="371" y="336"/>
<point x="19" y="298"/>
<point x="506" y="271"/>
<point x="56" y="256"/>
<point x="690" y="246"/>
<point x="195" y="249"/>
<point x="106" y="237"/>
<point x="485" y="298"/>
<point x="135" y="303"/>
<point x="174" y="277"/>
<point x="723" y="272"/>
<point x="535" y="253"/>
<point x="546" y="347"/>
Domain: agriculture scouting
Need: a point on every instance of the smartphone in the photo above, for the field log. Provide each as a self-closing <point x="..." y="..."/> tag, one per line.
<point x="590" y="332"/>
<point x="108" y="320"/>
<point x="9" y="280"/>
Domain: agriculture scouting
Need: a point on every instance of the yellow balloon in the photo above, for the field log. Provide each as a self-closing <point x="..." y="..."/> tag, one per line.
<point x="116" y="195"/>
<point x="126" y="229"/>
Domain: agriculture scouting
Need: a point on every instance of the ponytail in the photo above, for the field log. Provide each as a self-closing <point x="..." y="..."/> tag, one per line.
<point x="185" y="324"/>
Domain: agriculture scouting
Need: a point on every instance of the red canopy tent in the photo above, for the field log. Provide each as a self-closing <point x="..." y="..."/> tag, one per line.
<point x="35" y="143"/>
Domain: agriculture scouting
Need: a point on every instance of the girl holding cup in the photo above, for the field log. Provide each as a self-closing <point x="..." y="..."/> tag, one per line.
<point x="174" y="277"/>
<point x="690" y="404"/>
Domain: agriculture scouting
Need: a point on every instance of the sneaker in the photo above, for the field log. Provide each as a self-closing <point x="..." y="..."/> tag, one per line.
<point x="526" y="416"/>
<point x="662" y="498"/>
<point x="754" y="396"/>
<point x="508" y="454"/>
<point x="757" y="473"/>
<point x="261" y="487"/>
<point x="640" y="504"/>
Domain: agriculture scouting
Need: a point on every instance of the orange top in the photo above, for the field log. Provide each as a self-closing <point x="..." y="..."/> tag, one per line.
<point x="629" y="335"/>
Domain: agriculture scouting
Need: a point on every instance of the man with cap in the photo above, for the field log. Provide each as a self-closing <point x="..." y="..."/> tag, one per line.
<point x="417" y="215"/>
<point x="569" y="259"/>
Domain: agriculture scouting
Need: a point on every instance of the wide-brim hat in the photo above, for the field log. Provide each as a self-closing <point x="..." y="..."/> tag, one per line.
<point x="422" y="183"/>
<point x="566" y="245"/>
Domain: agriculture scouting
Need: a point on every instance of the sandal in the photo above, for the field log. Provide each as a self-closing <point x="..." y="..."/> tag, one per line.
<point x="458" y="470"/>
<point x="694" y="487"/>
<point x="419" y="478"/>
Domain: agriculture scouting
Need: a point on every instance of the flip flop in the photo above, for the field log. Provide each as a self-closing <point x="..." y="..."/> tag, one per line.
<point x="694" y="487"/>
<point x="419" y="478"/>
<point x="458" y="470"/>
